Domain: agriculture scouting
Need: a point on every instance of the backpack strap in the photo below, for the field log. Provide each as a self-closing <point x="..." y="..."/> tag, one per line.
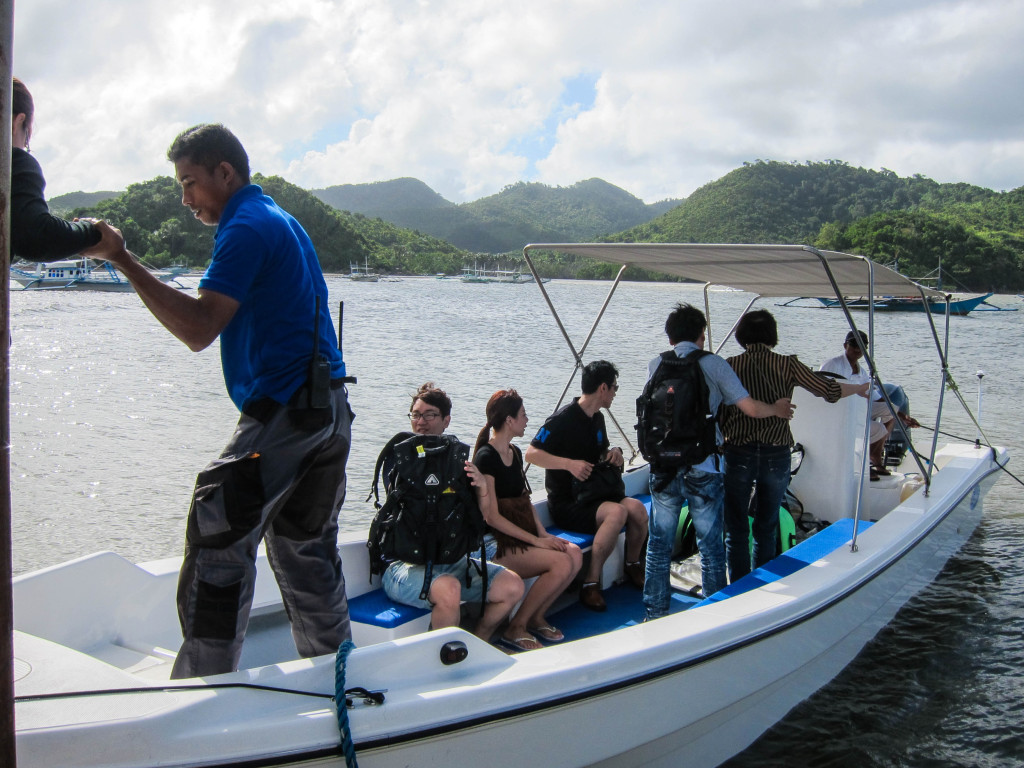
<point x="382" y="457"/>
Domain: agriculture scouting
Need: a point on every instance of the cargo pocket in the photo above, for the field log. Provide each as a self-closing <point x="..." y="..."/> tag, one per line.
<point x="217" y="604"/>
<point x="227" y="503"/>
<point x="313" y="501"/>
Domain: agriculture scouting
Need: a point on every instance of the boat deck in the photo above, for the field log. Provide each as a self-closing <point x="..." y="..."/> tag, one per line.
<point x="625" y="603"/>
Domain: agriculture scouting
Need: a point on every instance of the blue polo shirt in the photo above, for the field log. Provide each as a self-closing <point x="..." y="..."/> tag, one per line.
<point x="263" y="258"/>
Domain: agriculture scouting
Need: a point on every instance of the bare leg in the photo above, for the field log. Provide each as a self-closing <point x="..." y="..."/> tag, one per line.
<point x="554" y="571"/>
<point x="636" y="528"/>
<point x="611" y="516"/>
<point x="502" y="594"/>
<point x="446" y="597"/>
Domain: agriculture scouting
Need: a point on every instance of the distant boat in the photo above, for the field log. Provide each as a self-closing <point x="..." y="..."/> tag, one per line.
<point x="475" y="275"/>
<point x="913" y="303"/>
<point x="80" y="275"/>
<point x="362" y="274"/>
<point x="910" y="304"/>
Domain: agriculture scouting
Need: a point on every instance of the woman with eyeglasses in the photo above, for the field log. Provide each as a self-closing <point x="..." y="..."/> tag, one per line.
<point x="517" y="540"/>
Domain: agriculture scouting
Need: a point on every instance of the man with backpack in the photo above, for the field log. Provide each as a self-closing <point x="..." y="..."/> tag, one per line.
<point x="691" y="470"/>
<point x="432" y="576"/>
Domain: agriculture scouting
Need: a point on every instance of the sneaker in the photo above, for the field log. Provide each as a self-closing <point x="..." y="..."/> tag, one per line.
<point x="590" y="596"/>
<point x="635" y="573"/>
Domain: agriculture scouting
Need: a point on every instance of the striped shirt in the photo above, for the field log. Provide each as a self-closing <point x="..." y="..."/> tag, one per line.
<point x="769" y="376"/>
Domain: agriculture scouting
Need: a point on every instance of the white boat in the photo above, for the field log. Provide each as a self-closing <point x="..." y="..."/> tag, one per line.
<point x="80" y="275"/>
<point x="95" y="638"/>
<point x="362" y="274"/>
<point x="514" y="276"/>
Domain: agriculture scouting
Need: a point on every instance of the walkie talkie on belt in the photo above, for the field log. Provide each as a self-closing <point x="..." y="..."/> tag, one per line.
<point x="319" y="369"/>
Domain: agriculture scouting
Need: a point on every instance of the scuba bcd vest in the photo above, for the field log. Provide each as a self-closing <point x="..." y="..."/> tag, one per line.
<point x="430" y="515"/>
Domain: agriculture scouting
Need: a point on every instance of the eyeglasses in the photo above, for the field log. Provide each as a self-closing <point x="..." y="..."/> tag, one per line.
<point x="427" y="417"/>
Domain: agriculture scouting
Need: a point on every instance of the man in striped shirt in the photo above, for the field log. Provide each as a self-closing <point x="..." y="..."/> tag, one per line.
<point x="700" y="486"/>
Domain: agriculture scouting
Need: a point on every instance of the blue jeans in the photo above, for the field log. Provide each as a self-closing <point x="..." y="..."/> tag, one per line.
<point x="763" y="469"/>
<point x="704" y="493"/>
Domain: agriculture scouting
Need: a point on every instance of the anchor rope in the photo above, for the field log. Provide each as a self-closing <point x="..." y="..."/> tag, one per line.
<point x="340" y="705"/>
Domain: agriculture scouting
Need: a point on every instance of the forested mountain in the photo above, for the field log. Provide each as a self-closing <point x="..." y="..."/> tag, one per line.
<point x="521" y="213"/>
<point x="384" y="198"/>
<point x="162" y="231"/>
<point x="909" y="222"/>
<point x="61" y="204"/>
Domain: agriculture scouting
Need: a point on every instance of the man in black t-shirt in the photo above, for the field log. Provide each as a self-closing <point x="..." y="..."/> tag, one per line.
<point x="568" y="446"/>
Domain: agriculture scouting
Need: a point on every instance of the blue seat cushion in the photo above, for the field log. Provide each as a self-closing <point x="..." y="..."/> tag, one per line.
<point x="377" y="609"/>
<point x="581" y="540"/>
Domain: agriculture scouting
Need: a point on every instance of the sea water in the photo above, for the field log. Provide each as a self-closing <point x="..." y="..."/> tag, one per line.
<point x="111" y="418"/>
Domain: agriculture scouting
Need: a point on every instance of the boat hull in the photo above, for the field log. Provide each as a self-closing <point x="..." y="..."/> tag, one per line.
<point x="706" y="682"/>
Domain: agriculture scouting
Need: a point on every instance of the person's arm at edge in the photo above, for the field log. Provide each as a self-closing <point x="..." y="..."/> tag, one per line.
<point x="755" y="409"/>
<point x="576" y="467"/>
<point x="195" y="321"/>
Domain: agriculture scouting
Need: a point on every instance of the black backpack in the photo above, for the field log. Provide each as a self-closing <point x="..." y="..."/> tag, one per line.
<point x="675" y="427"/>
<point x="430" y="515"/>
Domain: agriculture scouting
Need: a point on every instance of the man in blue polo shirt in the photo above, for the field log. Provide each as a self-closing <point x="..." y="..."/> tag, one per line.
<point x="282" y="476"/>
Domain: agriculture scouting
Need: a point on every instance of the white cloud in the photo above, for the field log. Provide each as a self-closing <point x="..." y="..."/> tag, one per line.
<point x="468" y="97"/>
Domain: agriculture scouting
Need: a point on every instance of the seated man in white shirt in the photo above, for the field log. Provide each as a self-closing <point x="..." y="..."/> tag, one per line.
<point x="848" y="366"/>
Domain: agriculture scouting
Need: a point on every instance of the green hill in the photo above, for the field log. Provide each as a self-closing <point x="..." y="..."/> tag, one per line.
<point x="521" y="213"/>
<point x="62" y="204"/>
<point x="909" y="222"/>
<point x="163" y="232"/>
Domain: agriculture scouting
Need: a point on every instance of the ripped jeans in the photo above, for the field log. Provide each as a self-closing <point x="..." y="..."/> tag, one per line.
<point x="703" y="491"/>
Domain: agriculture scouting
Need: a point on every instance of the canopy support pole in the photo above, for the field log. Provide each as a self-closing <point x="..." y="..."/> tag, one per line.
<point x="578" y="355"/>
<point x="8" y="755"/>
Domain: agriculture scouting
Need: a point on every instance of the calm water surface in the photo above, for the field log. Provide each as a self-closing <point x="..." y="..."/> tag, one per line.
<point x="112" y="418"/>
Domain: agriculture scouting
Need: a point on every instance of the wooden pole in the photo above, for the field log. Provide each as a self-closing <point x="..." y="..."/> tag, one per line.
<point x="7" y="748"/>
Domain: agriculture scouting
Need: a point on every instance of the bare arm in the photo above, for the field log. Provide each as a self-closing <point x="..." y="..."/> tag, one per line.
<point x="576" y="467"/>
<point x="487" y="498"/>
<point x="755" y="409"/>
<point x="196" y="321"/>
<point x="854" y="389"/>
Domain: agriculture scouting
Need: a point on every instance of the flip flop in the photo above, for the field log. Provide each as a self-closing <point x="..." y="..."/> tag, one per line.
<point x="519" y="643"/>
<point x="547" y="633"/>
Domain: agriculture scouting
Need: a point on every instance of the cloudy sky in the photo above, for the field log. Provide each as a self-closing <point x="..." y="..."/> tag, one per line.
<point x="655" y="96"/>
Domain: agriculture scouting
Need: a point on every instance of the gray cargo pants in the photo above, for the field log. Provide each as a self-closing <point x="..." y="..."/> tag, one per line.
<point x="281" y="479"/>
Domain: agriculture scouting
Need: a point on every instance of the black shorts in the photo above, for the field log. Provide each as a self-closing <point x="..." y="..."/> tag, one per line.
<point x="578" y="517"/>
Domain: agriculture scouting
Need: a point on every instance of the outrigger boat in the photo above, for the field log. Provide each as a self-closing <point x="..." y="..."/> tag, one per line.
<point x="961" y="306"/>
<point x="95" y="638"/>
<point x="940" y="304"/>
<point x="80" y="275"/>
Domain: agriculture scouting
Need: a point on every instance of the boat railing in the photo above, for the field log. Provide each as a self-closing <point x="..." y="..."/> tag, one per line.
<point x="578" y="353"/>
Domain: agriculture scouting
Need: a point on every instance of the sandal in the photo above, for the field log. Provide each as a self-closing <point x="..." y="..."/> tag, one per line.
<point x="547" y="633"/>
<point x="524" y="643"/>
